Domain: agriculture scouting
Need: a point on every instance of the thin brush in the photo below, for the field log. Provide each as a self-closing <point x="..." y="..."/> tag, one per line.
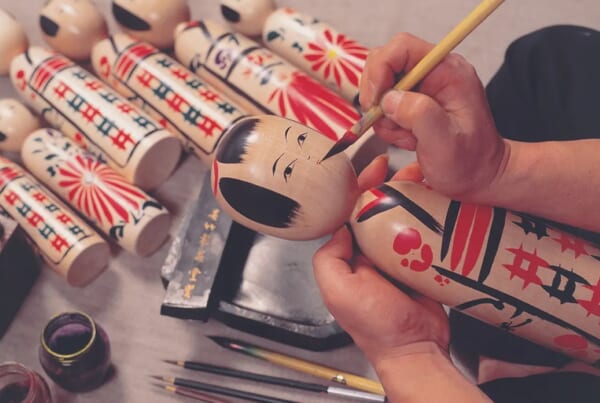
<point x="274" y="380"/>
<point x="203" y="397"/>
<point x="412" y="78"/>
<point x="221" y="390"/>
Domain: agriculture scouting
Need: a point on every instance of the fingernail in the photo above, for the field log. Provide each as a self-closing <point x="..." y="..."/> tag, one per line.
<point x="390" y="101"/>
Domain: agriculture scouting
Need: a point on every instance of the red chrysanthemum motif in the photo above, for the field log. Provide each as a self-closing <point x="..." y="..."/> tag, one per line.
<point x="98" y="191"/>
<point x="314" y="105"/>
<point x="337" y="55"/>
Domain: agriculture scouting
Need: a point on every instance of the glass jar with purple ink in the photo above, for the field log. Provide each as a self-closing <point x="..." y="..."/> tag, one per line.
<point x="19" y="384"/>
<point x="75" y="351"/>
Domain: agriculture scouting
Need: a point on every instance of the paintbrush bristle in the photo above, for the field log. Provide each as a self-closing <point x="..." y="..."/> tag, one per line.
<point x="173" y="362"/>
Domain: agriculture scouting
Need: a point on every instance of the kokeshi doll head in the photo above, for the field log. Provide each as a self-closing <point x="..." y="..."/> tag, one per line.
<point x="69" y="246"/>
<point x="13" y="40"/>
<point x="247" y="16"/>
<point x="87" y="110"/>
<point x="269" y="176"/>
<point x="72" y="27"/>
<point x="16" y="123"/>
<point x="122" y="211"/>
<point x="153" y="21"/>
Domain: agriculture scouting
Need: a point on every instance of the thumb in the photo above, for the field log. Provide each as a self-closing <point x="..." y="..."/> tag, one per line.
<point x="417" y="113"/>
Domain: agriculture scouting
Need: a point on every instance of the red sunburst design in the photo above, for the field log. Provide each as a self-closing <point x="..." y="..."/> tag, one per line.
<point x="98" y="191"/>
<point x="337" y="55"/>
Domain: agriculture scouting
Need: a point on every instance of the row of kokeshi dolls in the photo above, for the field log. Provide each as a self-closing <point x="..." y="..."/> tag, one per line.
<point x="120" y="132"/>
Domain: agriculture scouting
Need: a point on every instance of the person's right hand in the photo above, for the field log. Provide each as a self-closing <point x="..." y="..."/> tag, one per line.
<point x="447" y="122"/>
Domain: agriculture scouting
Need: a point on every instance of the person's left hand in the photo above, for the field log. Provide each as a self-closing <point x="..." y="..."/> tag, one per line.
<point x="383" y="321"/>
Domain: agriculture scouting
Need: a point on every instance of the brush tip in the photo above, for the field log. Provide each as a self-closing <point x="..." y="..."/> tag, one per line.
<point x="173" y="362"/>
<point x="222" y="341"/>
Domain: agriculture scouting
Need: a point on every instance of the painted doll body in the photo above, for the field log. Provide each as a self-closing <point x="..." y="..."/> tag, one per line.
<point x="122" y="211"/>
<point x="97" y="118"/>
<point x="315" y="47"/>
<point x="72" y="27"/>
<point x="153" y="21"/>
<point x="518" y="272"/>
<point x="511" y="270"/>
<point x="263" y="81"/>
<point x="173" y="95"/>
<point x="67" y="244"/>
<point x="16" y="123"/>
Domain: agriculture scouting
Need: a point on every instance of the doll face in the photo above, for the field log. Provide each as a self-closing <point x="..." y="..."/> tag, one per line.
<point x="13" y="40"/>
<point x="153" y="21"/>
<point x="16" y="123"/>
<point x="72" y="27"/>
<point x="247" y="16"/>
<point x="269" y="175"/>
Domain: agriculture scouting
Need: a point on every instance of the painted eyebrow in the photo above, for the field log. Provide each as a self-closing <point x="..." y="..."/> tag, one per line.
<point x="286" y="132"/>
<point x="275" y="163"/>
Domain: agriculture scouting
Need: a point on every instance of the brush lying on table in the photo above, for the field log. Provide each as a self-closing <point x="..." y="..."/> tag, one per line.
<point x="412" y="78"/>
<point x="273" y="380"/>
<point x="221" y="390"/>
<point x="202" y="397"/>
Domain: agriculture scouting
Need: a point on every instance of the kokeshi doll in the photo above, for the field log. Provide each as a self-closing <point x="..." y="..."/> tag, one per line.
<point x="84" y="108"/>
<point x="318" y="49"/>
<point x="521" y="273"/>
<point x="247" y="16"/>
<point x="13" y="40"/>
<point x="67" y="244"/>
<point x="123" y="212"/>
<point x="72" y="27"/>
<point x="259" y="79"/>
<point x="197" y="113"/>
<point x="153" y="21"/>
<point x="16" y="123"/>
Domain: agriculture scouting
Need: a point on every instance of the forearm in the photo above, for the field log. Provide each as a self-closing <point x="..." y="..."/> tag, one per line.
<point x="558" y="181"/>
<point x="425" y="375"/>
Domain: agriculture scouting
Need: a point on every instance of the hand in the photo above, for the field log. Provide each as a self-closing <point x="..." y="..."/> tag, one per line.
<point x="383" y="321"/>
<point x="447" y="123"/>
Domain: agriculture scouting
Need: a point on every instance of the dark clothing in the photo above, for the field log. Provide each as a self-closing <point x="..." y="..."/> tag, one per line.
<point x="546" y="89"/>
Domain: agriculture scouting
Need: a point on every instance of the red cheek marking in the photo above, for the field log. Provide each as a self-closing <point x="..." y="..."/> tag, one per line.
<point x="215" y="177"/>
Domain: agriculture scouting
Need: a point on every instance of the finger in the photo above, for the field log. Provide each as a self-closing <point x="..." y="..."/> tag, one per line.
<point x="373" y="174"/>
<point x="411" y="172"/>
<point x="389" y="131"/>
<point x="400" y="54"/>
<point x="419" y="114"/>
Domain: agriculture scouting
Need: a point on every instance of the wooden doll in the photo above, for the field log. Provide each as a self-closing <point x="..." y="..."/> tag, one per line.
<point x="315" y="47"/>
<point x="13" y="40"/>
<point x="518" y="272"/>
<point x="120" y="210"/>
<point x="16" y="123"/>
<point x="262" y="82"/>
<point x="96" y="117"/>
<point x="153" y="21"/>
<point x="247" y="16"/>
<point x="197" y="113"/>
<point x="67" y="244"/>
<point x="72" y="27"/>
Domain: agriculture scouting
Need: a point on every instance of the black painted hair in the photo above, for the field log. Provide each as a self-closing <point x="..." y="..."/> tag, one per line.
<point x="48" y="26"/>
<point x="129" y="19"/>
<point x="233" y="145"/>
<point x="259" y="204"/>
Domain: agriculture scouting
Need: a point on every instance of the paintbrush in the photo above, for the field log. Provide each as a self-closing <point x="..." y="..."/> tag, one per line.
<point x="334" y="375"/>
<point x="203" y="397"/>
<point x="221" y="390"/>
<point x="412" y="78"/>
<point x="274" y="380"/>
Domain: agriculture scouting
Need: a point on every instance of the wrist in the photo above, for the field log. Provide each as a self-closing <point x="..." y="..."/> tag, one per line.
<point x="424" y="372"/>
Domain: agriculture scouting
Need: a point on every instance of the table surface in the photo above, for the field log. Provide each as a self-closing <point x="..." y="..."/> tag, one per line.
<point x="126" y="298"/>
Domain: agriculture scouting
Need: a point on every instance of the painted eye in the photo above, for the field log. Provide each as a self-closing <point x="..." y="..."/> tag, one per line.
<point x="287" y="172"/>
<point x="301" y="139"/>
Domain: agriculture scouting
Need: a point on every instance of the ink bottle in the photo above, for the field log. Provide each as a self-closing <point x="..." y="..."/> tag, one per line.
<point x="75" y="351"/>
<point x="19" y="384"/>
